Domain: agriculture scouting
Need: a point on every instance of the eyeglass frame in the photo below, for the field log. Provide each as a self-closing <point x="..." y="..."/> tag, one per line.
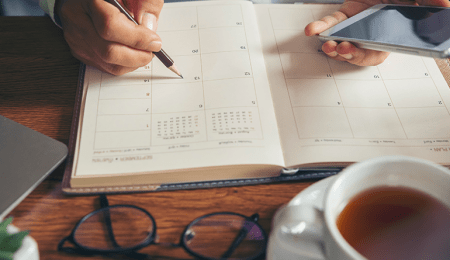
<point x="150" y="239"/>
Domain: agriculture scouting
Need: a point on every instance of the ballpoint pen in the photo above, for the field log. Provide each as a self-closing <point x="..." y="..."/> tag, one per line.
<point x="162" y="55"/>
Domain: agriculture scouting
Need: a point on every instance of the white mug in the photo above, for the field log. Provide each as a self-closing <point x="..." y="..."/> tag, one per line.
<point x="305" y="232"/>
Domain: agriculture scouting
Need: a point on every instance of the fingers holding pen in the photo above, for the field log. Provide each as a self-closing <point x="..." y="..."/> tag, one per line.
<point x="103" y="65"/>
<point x="111" y="57"/>
<point x="112" y="26"/>
<point x="99" y="35"/>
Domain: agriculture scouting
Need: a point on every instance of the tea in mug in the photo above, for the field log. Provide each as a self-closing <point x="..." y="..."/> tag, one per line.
<point x="389" y="222"/>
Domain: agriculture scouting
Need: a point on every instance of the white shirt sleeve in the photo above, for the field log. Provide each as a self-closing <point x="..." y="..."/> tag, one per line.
<point x="49" y="7"/>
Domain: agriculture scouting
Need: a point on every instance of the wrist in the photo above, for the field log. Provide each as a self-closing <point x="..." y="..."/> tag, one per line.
<point x="57" y="11"/>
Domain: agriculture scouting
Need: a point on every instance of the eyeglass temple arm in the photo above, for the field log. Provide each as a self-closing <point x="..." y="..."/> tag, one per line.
<point x="107" y="216"/>
<point x="71" y="250"/>
<point x="81" y="251"/>
<point x="235" y="244"/>
<point x="103" y="201"/>
<point x="240" y="237"/>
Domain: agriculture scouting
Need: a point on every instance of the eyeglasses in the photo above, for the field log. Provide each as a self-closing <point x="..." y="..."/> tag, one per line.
<point x="125" y="229"/>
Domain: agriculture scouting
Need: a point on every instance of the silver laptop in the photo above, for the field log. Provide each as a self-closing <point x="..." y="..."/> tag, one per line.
<point x="26" y="158"/>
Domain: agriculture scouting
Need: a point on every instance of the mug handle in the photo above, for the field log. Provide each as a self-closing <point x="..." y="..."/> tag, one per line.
<point x="297" y="233"/>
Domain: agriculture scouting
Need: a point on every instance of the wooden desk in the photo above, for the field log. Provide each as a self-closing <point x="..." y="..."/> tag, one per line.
<point x="38" y="78"/>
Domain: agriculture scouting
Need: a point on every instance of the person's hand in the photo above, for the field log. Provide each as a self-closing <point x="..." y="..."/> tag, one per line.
<point x="346" y="51"/>
<point x="98" y="34"/>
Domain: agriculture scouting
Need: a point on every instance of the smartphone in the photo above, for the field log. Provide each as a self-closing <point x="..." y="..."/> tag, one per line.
<point x="417" y="30"/>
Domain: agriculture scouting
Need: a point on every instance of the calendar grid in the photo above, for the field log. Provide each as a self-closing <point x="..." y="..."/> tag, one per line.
<point x="338" y="100"/>
<point x="251" y="71"/>
<point x="440" y="95"/>
<point x="178" y="122"/>
<point x="279" y="60"/>
<point x="393" y="104"/>
<point x="96" y="118"/>
<point x="201" y="71"/>
<point x="341" y="103"/>
<point x="149" y="125"/>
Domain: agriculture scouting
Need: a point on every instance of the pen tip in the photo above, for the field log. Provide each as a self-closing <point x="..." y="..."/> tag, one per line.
<point x="181" y="76"/>
<point x="175" y="70"/>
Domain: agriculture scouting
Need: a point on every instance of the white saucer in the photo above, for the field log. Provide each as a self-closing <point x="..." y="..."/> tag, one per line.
<point x="278" y="248"/>
<point x="313" y="195"/>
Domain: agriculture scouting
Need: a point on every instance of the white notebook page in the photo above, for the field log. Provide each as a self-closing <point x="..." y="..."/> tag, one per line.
<point x="221" y="113"/>
<point x="331" y="111"/>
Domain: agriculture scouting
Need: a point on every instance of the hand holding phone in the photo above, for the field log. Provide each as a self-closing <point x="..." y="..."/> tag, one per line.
<point x="344" y="50"/>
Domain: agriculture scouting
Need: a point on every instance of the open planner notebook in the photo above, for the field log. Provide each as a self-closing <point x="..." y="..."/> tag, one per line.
<point x="257" y="96"/>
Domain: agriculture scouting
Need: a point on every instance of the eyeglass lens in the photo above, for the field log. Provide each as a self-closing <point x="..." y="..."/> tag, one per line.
<point x="223" y="236"/>
<point x="130" y="227"/>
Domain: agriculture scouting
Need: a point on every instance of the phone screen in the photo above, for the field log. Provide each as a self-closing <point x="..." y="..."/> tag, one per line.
<point x="425" y="27"/>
